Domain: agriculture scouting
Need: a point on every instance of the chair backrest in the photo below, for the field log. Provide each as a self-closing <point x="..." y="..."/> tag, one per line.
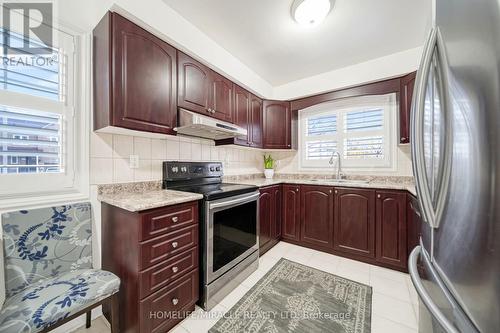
<point x="45" y="242"/>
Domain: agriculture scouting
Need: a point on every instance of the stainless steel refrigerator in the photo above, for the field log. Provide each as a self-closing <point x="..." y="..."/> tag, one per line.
<point x="456" y="161"/>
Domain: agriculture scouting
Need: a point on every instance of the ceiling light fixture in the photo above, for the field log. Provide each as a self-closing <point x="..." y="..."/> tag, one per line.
<point x="310" y="12"/>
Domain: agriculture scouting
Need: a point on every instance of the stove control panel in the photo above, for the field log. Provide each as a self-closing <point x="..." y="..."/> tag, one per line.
<point x="191" y="170"/>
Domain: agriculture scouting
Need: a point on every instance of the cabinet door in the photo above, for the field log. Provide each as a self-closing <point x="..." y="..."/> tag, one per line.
<point x="291" y="212"/>
<point x="255" y="127"/>
<point x="405" y="100"/>
<point x="278" y="207"/>
<point x="277" y="125"/>
<point x="265" y="217"/>
<point x="145" y="80"/>
<point x="242" y="114"/>
<point x="414" y="222"/>
<point x="194" y="84"/>
<point x="317" y="215"/>
<point x="221" y="97"/>
<point x="354" y="223"/>
<point x="391" y="228"/>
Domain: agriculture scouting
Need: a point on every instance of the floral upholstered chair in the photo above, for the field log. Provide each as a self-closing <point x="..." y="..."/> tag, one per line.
<point x="49" y="279"/>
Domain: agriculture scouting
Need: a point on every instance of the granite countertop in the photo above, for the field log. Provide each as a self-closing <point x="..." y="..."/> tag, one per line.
<point x="136" y="197"/>
<point x="375" y="184"/>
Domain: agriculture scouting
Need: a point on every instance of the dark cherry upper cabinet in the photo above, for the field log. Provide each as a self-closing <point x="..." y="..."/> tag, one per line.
<point x="317" y="215"/>
<point x="413" y="222"/>
<point x="194" y="84"/>
<point x="242" y="115"/>
<point x="269" y="217"/>
<point x="354" y="222"/>
<point x="255" y="127"/>
<point x="290" y="226"/>
<point x="277" y="125"/>
<point x="247" y="114"/>
<point x="391" y="228"/>
<point x="405" y="100"/>
<point x="221" y="97"/>
<point x="202" y="90"/>
<point x="135" y="78"/>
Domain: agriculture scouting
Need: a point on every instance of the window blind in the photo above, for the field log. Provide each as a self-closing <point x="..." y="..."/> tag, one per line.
<point x="365" y="120"/>
<point x="324" y="125"/>
<point x="317" y="150"/>
<point x="364" y="148"/>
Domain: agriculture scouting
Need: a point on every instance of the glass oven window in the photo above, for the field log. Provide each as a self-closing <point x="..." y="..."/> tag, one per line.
<point x="235" y="231"/>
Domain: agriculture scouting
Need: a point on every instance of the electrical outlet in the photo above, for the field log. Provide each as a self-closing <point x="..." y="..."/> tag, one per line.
<point x="134" y="161"/>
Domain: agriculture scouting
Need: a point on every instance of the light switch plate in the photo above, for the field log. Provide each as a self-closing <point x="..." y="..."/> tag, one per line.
<point x="134" y="161"/>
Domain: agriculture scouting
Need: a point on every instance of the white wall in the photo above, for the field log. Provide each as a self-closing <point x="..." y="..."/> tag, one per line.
<point x="381" y="68"/>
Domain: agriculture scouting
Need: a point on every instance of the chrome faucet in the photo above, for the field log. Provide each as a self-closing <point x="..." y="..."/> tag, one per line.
<point x="339" y="164"/>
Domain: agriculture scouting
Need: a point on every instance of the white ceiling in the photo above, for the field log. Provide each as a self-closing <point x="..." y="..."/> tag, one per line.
<point x="263" y="35"/>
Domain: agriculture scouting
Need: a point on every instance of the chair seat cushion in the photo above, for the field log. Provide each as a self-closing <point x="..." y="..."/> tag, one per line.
<point x="49" y="300"/>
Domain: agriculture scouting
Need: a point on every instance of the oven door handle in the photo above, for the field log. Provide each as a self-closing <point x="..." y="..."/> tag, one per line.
<point x="234" y="202"/>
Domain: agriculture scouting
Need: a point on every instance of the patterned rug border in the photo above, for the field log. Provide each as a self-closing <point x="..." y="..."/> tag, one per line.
<point x="271" y="270"/>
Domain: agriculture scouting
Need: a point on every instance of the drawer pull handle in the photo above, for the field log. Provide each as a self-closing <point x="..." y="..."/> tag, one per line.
<point x="175" y="269"/>
<point x="175" y="219"/>
<point x="175" y="301"/>
<point x="175" y="244"/>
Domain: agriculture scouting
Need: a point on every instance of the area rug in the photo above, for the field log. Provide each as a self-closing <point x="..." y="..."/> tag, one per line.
<point x="295" y="298"/>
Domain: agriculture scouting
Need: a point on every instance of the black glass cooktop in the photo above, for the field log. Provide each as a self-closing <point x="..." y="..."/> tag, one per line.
<point x="217" y="191"/>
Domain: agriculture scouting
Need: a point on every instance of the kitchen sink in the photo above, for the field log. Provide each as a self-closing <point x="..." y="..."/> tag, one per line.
<point x="341" y="181"/>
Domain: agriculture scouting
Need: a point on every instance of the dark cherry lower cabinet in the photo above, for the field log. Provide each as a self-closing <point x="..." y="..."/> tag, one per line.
<point x="354" y="225"/>
<point x="269" y="217"/>
<point x="290" y="226"/>
<point x="135" y="78"/>
<point x="391" y="228"/>
<point x="155" y="253"/>
<point x="316" y="205"/>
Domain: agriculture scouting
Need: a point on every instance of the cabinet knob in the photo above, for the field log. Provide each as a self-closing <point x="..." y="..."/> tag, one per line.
<point x="403" y="138"/>
<point x="336" y="192"/>
<point x="379" y="196"/>
<point x="289" y="145"/>
<point x="296" y="190"/>
<point x="330" y="191"/>
<point x="175" y="269"/>
<point x="175" y="301"/>
<point x="175" y="219"/>
<point x="175" y="244"/>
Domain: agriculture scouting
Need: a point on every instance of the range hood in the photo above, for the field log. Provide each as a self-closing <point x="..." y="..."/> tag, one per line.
<point x="193" y="124"/>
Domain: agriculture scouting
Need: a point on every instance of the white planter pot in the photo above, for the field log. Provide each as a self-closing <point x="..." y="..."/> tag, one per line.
<point x="269" y="173"/>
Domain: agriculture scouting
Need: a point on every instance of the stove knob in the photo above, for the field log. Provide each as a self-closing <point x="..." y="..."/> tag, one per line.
<point x="212" y="169"/>
<point x="218" y="168"/>
<point x="184" y="169"/>
<point x="175" y="169"/>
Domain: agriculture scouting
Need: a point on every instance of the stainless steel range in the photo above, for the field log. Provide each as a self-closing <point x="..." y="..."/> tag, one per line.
<point x="229" y="241"/>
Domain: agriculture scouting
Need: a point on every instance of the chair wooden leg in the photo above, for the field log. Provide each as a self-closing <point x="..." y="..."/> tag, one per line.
<point x="88" y="319"/>
<point x="115" y="320"/>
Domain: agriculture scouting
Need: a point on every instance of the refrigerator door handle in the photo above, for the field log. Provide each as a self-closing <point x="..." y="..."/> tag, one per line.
<point x="418" y="104"/>
<point x="424" y="295"/>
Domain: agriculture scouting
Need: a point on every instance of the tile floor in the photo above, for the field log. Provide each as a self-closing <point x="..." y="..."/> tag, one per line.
<point x="394" y="302"/>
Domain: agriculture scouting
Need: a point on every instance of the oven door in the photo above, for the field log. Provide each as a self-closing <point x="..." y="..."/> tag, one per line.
<point x="231" y="232"/>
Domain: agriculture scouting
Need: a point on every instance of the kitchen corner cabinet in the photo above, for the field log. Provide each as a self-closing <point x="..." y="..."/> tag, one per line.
<point x="405" y="101"/>
<point x="290" y="226"/>
<point x="269" y="217"/>
<point x="391" y="228"/>
<point x="277" y="125"/>
<point x="354" y="222"/>
<point x="135" y="78"/>
<point x="316" y="215"/>
<point x="202" y="90"/>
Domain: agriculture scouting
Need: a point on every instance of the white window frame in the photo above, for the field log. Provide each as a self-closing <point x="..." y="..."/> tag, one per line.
<point x="340" y="107"/>
<point x="18" y="190"/>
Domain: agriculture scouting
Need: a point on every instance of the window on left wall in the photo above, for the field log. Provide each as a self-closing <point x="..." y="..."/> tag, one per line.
<point x="38" y="127"/>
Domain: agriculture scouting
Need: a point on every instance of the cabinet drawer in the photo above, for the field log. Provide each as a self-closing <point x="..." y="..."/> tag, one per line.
<point x="161" y="221"/>
<point x="168" y="306"/>
<point x="164" y="247"/>
<point x="164" y="273"/>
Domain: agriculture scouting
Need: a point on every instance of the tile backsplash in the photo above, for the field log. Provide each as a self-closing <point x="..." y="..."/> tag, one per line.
<point x="110" y="157"/>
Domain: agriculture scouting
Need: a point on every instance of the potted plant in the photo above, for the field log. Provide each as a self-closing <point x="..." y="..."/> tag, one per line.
<point x="268" y="166"/>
